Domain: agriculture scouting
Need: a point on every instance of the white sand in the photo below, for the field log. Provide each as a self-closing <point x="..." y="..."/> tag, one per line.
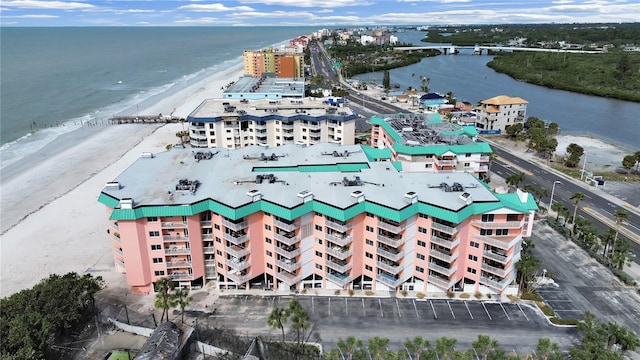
<point x="51" y="220"/>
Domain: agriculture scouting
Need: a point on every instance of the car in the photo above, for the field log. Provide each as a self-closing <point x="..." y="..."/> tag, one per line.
<point x="631" y="255"/>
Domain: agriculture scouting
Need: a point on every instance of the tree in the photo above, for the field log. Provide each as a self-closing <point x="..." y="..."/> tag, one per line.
<point x="181" y="299"/>
<point x="413" y="75"/>
<point x="628" y="162"/>
<point x="445" y="347"/>
<point x="637" y="156"/>
<point x="619" y="257"/>
<point x="163" y="288"/>
<point x="386" y="80"/>
<point x="182" y="135"/>
<point x="485" y="345"/>
<point x="553" y="128"/>
<point x="417" y="346"/>
<point x="299" y="320"/>
<point x="351" y="346"/>
<point x="377" y="347"/>
<point x="277" y="318"/>
<point x="527" y="267"/>
<point x="558" y="207"/>
<point x="515" y="129"/>
<point x="576" y="197"/>
<point x="621" y="216"/>
<point x="515" y="179"/>
<point x="547" y="349"/>
<point x="424" y="87"/>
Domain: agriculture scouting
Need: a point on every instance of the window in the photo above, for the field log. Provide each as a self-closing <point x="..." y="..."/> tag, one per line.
<point x="318" y="254"/>
<point x="428" y="166"/>
<point x="220" y="265"/>
<point x="369" y="255"/>
<point x="267" y="240"/>
<point x="318" y="227"/>
<point x="269" y="266"/>
<point x="419" y="269"/>
<point x="502" y="232"/>
<point x="369" y="242"/>
<point x="319" y="241"/>
<point x="424" y="216"/>
<point x="152" y="219"/>
<point x="487" y="217"/>
<point x="269" y="253"/>
<point x="156" y="247"/>
<point x="473" y="258"/>
<point x="157" y="260"/>
<point x="216" y="226"/>
<point x="487" y="232"/>
<point x="420" y="256"/>
<point x="471" y="270"/>
<point x="318" y="266"/>
<point x="474" y="244"/>
<point x="218" y="240"/>
<point x="267" y="227"/>
<point x="422" y="243"/>
<point x="159" y="273"/>
<point x="368" y="268"/>
<point x="370" y="215"/>
<point x="513" y="217"/>
<point x="467" y="164"/>
<point x="369" y="228"/>
<point x="422" y="230"/>
<point x="218" y="252"/>
<point x="467" y="155"/>
<point x="154" y="233"/>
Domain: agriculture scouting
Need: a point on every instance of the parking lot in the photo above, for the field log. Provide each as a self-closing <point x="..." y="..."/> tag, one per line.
<point x="560" y="302"/>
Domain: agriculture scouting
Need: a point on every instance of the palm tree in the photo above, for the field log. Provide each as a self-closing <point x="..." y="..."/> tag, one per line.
<point x="182" y="299"/>
<point x="515" y="179"/>
<point x="351" y="346"/>
<point x="413" y="75"/>
<point x="277" y="318"/>
<point x="621" y="216"/>
<point x="417" y="346"/>
<point x="576" y="197"/>
<point x="557" y="207"/>
<point x="425" y="83"/>
<point x="546" y="348"/>
<point x="492" y="157"/>
<point x="163" y="287"/>
<point x="377" y="346"/>
<point x="485" y="345"/>
<point x="527" y="267"/>
<point x="182" y="135"/>
<point x="445" y="347"/>
<point x="299" y="320"/>
<point x="619" y="257"/>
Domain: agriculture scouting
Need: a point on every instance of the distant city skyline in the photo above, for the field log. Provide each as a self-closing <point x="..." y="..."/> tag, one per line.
<point x="320" y="13"/>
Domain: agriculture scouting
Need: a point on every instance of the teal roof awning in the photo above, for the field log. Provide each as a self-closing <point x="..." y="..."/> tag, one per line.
<point x="375" y="154"/>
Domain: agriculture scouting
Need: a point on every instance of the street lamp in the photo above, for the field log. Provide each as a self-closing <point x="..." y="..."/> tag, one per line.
<point x="553" y="189"/>
<point x="584" y="165"/>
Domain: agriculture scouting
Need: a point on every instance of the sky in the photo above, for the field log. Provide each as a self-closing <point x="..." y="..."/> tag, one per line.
<point x="321" y="13"/>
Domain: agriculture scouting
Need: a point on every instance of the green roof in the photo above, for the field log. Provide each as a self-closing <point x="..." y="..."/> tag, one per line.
<point x="375" y="154"/>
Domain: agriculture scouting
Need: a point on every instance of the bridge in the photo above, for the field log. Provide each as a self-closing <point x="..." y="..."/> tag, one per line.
<point x="479" y="49"/>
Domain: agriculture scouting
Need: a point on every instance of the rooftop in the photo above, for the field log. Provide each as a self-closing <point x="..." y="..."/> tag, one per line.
<point x="286" y="87"/>
<point x="504" y="100"/>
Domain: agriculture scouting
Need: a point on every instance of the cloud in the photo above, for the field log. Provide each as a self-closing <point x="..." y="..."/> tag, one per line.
<point x="218" y="7"/>
<point x="54" y="5"/>
<point x="32" y="16"/>
<point x="311" y="3"/>
<point x="437" y="1"/>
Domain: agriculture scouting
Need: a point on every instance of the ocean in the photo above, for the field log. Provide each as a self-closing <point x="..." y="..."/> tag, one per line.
<point x="54" y="80"/>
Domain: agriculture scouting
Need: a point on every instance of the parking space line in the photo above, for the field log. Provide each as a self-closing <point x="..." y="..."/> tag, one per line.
<point x="380" y="303"/>
<point x="246" y="298"/>
<point x="468" y="310"/>
<point x="329" y="306"/>
<point x="313" y="309"/>
<point x="346" y="307"/>
<point x="558" y="300"/>
<point x="435" y="316"/>
<point x="505" y="311"/>
<point x="416" y="308"/>
<point x="523" y="313"/>
<point x="398" y="306"/>
<point x="364" y="312"/>
<point x="450" y="309"/>
<point x="487" y="311"/>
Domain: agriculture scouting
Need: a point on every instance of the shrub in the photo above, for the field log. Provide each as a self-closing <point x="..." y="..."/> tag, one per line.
<point x="304" y="291"/>
<point x="530" y="296"/>
<point x="464" y="296"/>
<point x="404" y="293"/>
<point x="559" y="321"/>
<point x="512" y="298"/>
<point x="420" y="295"/>
<point x="337" y="292"/>
<point x="351" y="292"/>
<point x="450" y="294"/>
<point x="478" y="295"/>
<point x="368" y="292"/>
<point x="545" y="309"/>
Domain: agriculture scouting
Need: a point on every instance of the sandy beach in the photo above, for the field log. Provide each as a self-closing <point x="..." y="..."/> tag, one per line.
<point x="52" y="222"/>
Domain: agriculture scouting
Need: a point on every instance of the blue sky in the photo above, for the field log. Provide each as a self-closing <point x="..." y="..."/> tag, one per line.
<point x="321" y="13"/>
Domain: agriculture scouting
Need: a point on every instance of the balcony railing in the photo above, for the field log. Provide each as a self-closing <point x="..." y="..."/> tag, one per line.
<point x="116" y="238"/>
<point x="174" y="224"/>
<point x="237" y="240"/>
<point x="450" y="244"/>
<point x="180" y="276"/>
<point x="285" y="226"/>
<point x="288" y="278"/>
<point x="390" y="254"/>
<point x="177" y="250"/>
<point x="196" y="127"/>
<point x="342" y="240"/>
<point x="395" y="242"/>
<point x="494" y="270"/>
<point x="498" y="225"/>
<point x="235" y="226"/>
<point x="237" y="277"/>
<point x="388" y="280"/>
<point x="207" y="236"/>
<point x="443" y="256"/>
<point x="287" y="127"/>
<point x="445" y="228"/>
<point x="343" y="227"/>
<point x="118" y="251"/>
<point x="340" y="266"/>
<point x="288" y="265"/>
<point x="206" y="224"/>
<point x="198" y="143"/>
<point x="210" y="262"/>
<point x="505" y="245"/>
<point x="497" y="257"/>
<point x="237" y="251"/>
<point x="290" y="254"/>
<point x="394" y="269"/>
<point x="209" y="249"/>
<point x="286" y="240"/>
<point x="340" y="279"/>
<point x="443" y="270"/>
<point x="394" y="228"/>
<point x="496" y="284"/>
<point x="175" y="238"/>
<point x="338" y="252"/>
<point x="446" y="161"/>
<point x="178" y="264"/>
<point x="113" y="225"/>
<point x="440" y="282"/>
<point x="484" y="158"/>
<point x="238" y="264"/>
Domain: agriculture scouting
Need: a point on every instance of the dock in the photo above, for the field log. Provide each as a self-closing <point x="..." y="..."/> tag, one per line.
<point x="146" y="119"/>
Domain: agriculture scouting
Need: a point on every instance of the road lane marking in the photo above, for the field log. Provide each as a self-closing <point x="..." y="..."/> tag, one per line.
<point x="398" y="306"/>
<point x="364" y="312"/>
<point x="313" y="309"/>
<point x="329" y="306"/>
<point x="505" y="311"/>
<point x="380" y="302"/>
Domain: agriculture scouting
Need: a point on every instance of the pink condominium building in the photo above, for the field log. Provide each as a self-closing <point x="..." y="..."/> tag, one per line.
<point x="324" y="216"/>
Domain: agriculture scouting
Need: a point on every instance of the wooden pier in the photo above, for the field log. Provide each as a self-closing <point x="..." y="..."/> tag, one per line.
<point x="146" y="119"/>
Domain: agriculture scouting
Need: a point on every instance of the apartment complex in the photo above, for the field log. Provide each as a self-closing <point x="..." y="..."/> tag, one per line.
<point x="496" y="114"/>
<point x="424" y="143"/>
<point x="287" y="64"/>
<point x="323" y="216"/>
<point x="235" y="123"/>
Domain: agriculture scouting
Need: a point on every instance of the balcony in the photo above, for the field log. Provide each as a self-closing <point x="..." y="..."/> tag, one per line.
<point x="177" y="250"/>
<point x="288" y="265"/>
<point x="342" y="240"/>
<point x="288" y="278"/>
<point x="210" y="273"/>
<point x="178" y="264"/>
<point x="237" y="251"/>
<point x="444" y="228"/>
<point x="449" y="162"/>
<point x="260" y="126"/>
<point x="390" y="253"/>
<point x="448" y="243"/>
<point x="198" y="135"/>
<point x="388" y="280"/>
<point x="210" y="262"/>
<point x="285" y="226"/>
<point x="443" y="270"/>
<point x="394" y="269"/>
<point x="114" y="226"/>
<point x="445" y="284"/>
<point x="235" y="226"/>
<point x="198" y="143"/>
<point x="485" y="158"/>
<point x="236" y="240"/>
<point x="205" y="224"/>
<point x="338" y="252"/>
<point x="289" y="252"/>
<point x="237" y="277"/>
<point x="175" y="238"/>
<point x="180" y="276"/>
<point x="209" y="250"/>
<point x="238" y="264"/>
<point x="340" y="279"/>
<point x="391" y="241"/>
<point x="395" y="228"/>
<point x="174" y="225"/>
<point x="196" y="127"/>
<point x="116" y="238"/>
<point x="339" y="265"/>
<point x="118" y="252"/>
<point x="496" y="283"/>
<point x="286" y="240"/>
<point x="342" y="227"/>
<point x="207" y="236"/>
<point x="287" y="126"/>
<point x="441" y="255"/>
<point x="494" y="270"/>
<point x="505" y="245"/>
<point x="498" y="225"/>
<point x="497" y="257"/>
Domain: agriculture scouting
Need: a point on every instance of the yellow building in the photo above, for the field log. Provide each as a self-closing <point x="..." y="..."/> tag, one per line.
<point x="280" y="63"/>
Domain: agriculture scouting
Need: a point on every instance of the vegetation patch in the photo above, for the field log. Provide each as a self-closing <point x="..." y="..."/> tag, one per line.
<point x="561" y="321"/>
<point x="420" y="295"/>
<point x="512" y="298"/>
<point x="464" y="296"/>
<point x="478" y="295"/>
<point x="369" y="293"/>
<point x="337" y="292"/>
<point x="404" y="293"/>
<point x="530" y="296"/>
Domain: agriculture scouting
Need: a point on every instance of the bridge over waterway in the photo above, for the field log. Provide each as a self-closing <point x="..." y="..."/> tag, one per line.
<point x="480" y="49"/>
